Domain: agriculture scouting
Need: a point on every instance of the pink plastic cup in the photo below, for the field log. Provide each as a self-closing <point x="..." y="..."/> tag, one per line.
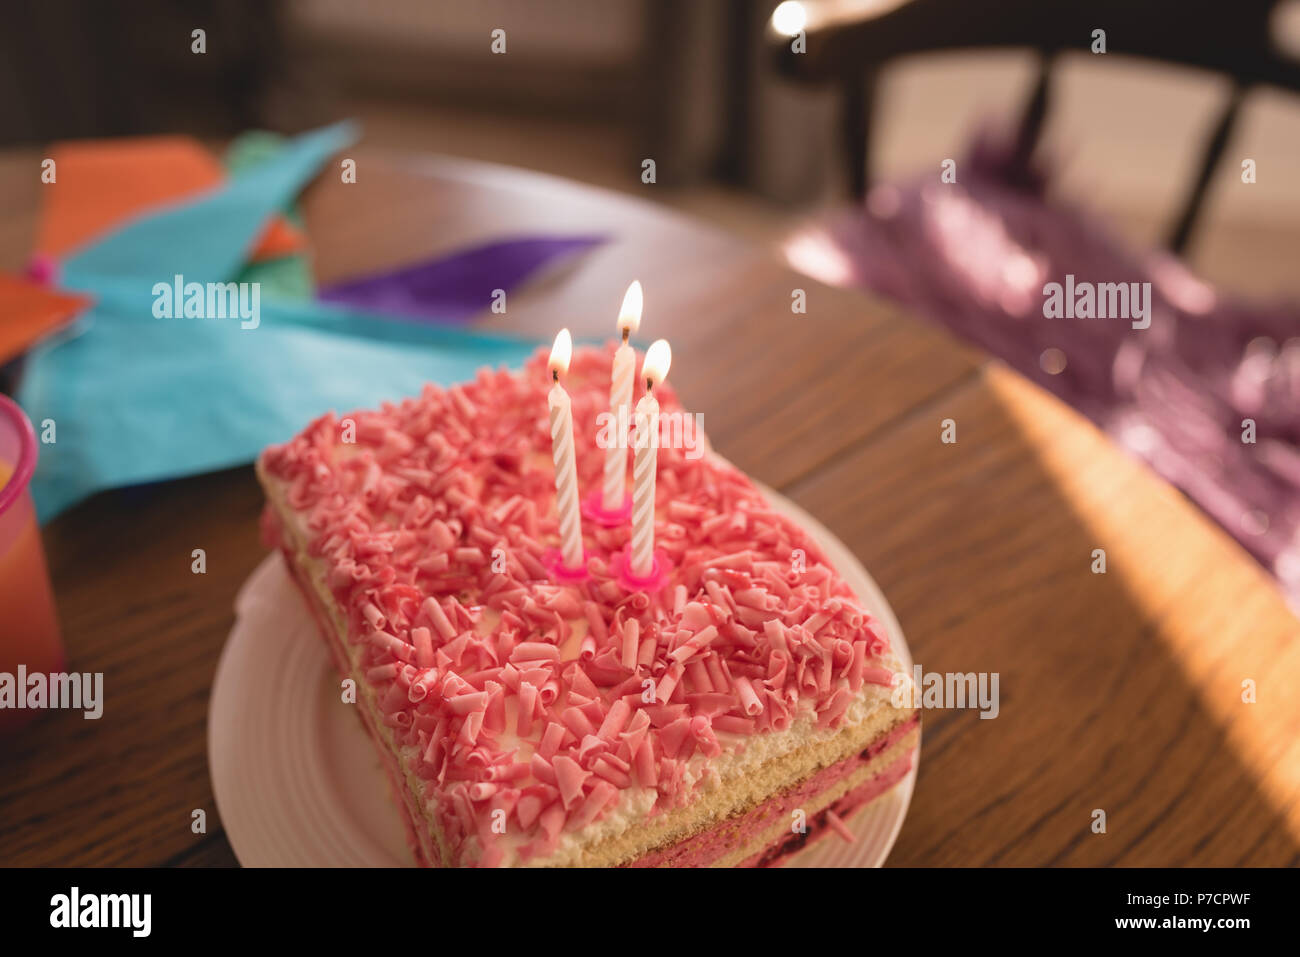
<point x="29" y="628"/>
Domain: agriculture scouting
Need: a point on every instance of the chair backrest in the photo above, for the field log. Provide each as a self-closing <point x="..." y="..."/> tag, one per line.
<point x="846" y="43"/>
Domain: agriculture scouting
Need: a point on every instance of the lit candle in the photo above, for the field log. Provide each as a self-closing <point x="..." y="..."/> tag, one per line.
<point x="620" y="401"/>
<point x="562" y="450"/>
<point x="657" y="359"/>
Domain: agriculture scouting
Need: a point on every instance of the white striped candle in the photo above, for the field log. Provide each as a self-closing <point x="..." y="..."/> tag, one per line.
<point x="620" y="402"/>
<point x="646" y="463"/>
<point x="563" y="454"/>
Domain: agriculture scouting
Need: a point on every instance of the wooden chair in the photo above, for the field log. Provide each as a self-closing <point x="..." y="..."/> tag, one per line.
<point x="848" y="41"/>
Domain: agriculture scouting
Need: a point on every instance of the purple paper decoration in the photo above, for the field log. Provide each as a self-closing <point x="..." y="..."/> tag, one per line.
<point x="456" y="287"/>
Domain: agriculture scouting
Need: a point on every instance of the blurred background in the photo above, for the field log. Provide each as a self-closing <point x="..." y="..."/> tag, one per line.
<point x="588" y="88"/>
<point x="954" y="156"/>
<point x="1142" y="142"/>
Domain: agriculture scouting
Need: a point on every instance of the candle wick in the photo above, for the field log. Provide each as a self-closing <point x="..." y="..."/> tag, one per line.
<point x="649" y="385"/>
<point x="626" y="332"/>
<point x="555" y="375"/>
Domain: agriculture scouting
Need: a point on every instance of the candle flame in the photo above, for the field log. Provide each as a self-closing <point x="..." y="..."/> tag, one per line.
<point x="657" y="360"/>
<point x="629" y="317"/>
<point x="561" y="352"/>
<point x="789" y="18"/>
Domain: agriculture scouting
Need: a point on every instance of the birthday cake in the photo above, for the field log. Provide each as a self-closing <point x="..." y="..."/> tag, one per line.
<point x="725" y="714"/>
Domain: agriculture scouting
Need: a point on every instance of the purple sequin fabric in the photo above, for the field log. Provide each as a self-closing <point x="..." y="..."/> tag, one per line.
<point x="1208" y="394"/>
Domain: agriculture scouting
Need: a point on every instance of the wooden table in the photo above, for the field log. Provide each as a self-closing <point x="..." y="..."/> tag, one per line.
<point x="1119" y="691"/>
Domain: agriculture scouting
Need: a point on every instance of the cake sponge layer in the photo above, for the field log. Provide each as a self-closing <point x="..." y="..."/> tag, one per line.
<point x="746" y="836"/>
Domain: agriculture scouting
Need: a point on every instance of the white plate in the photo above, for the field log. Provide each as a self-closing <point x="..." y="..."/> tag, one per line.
<point x="297" y="779"/>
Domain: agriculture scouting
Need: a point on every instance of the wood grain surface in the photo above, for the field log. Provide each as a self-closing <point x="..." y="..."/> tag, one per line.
<point x="1120" y="692"/>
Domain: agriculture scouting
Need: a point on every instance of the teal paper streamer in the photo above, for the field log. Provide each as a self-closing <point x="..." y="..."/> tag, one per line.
<point x="136" y="398"/>
<point x="206" y="239"/>
<point x="139" y="399"/>
<point x="288" y="277"/>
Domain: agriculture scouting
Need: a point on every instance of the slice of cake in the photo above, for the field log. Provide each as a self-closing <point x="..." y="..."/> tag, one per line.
<point x="739" y="711"/>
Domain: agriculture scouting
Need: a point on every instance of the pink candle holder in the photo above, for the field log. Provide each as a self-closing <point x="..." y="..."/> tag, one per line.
<point x="660" y="572"/>
<point x="593" y="509"/>
<point x="30" y="632"/>
<point x="562" y="574"/>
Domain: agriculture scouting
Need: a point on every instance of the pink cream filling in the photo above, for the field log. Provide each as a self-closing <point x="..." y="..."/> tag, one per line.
<point x="723" y="838"/>
<point x="845" y="808"/>
<point x="426" y="855"/>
